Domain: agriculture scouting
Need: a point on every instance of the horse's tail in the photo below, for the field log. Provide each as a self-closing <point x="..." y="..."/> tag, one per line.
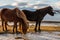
<point x="2" y="12"/>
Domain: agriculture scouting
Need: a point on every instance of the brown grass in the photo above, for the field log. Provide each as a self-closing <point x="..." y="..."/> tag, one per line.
<point x="31" y="28"/>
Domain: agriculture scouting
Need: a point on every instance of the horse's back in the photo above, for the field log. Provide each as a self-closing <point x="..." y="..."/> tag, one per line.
<point x="31" y="16"/>
<point x="8" y="14"/>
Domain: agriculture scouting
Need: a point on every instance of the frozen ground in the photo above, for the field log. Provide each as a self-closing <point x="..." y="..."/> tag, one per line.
<point x="33" y="36"/>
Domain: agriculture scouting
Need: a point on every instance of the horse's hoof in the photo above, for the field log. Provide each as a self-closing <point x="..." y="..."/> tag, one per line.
<point x="35" y="30"/>
<point x="39" y="30"/>
<point x="18" y="32"/>
<point x="3" y="30"/>
<point x="24" y="32"/>
<point x="18" y="38"/>
<point x="13" y="32"/>
<point x="6" y="31"/>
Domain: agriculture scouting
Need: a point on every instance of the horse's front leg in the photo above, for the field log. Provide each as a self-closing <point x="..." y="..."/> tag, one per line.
<point x="36" y="26"/>
<point x="39" y="26"/>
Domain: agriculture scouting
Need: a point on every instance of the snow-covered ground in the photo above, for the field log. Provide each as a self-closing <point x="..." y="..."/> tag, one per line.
<point x="42" y="24"/>
<point x="33" y="36"/>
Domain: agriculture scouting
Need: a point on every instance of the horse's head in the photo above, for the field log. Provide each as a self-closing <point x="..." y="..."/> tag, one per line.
<point x="50" y="11"/>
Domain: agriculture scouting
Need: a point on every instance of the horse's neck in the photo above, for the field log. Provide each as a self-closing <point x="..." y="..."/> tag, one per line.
<point x="43" y="12"/>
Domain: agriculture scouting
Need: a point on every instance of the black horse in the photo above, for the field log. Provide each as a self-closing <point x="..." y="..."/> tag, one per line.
<point x="38" y="15"/>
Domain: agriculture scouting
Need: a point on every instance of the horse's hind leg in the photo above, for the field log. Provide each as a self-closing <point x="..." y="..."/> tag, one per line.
<point x="3" y="25"/>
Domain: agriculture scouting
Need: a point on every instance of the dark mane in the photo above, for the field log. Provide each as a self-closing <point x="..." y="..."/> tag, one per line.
<point x="48" y="8"/>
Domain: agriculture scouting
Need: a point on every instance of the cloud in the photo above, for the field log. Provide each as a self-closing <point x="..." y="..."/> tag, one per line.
<point x="57" y="5"/>
<point x="36" y="3"/>
<point x="14" y="4"/>
<point x="6" y="2"/>
<point x="21" y="0"/>
<point x="31" y="3"/>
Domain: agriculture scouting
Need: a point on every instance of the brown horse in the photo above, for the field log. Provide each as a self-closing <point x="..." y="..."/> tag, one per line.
<point x="8" y="15"/>
<point x="38" y="15"/>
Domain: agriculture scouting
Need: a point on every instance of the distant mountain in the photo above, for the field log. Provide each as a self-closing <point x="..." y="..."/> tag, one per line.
<point x="27" y="8"/>
<point x="41" y="5"/>
<point x="57" y="11"/>
<point x="10" y="6"/>
<point x="22" y="4"/>
<point x="7" y="6"/>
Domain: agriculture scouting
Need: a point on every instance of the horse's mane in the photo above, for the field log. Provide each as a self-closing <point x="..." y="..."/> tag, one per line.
<point x="48" y="8"/>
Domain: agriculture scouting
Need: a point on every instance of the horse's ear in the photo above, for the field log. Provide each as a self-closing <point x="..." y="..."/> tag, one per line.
<point x="50" y="7"/>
